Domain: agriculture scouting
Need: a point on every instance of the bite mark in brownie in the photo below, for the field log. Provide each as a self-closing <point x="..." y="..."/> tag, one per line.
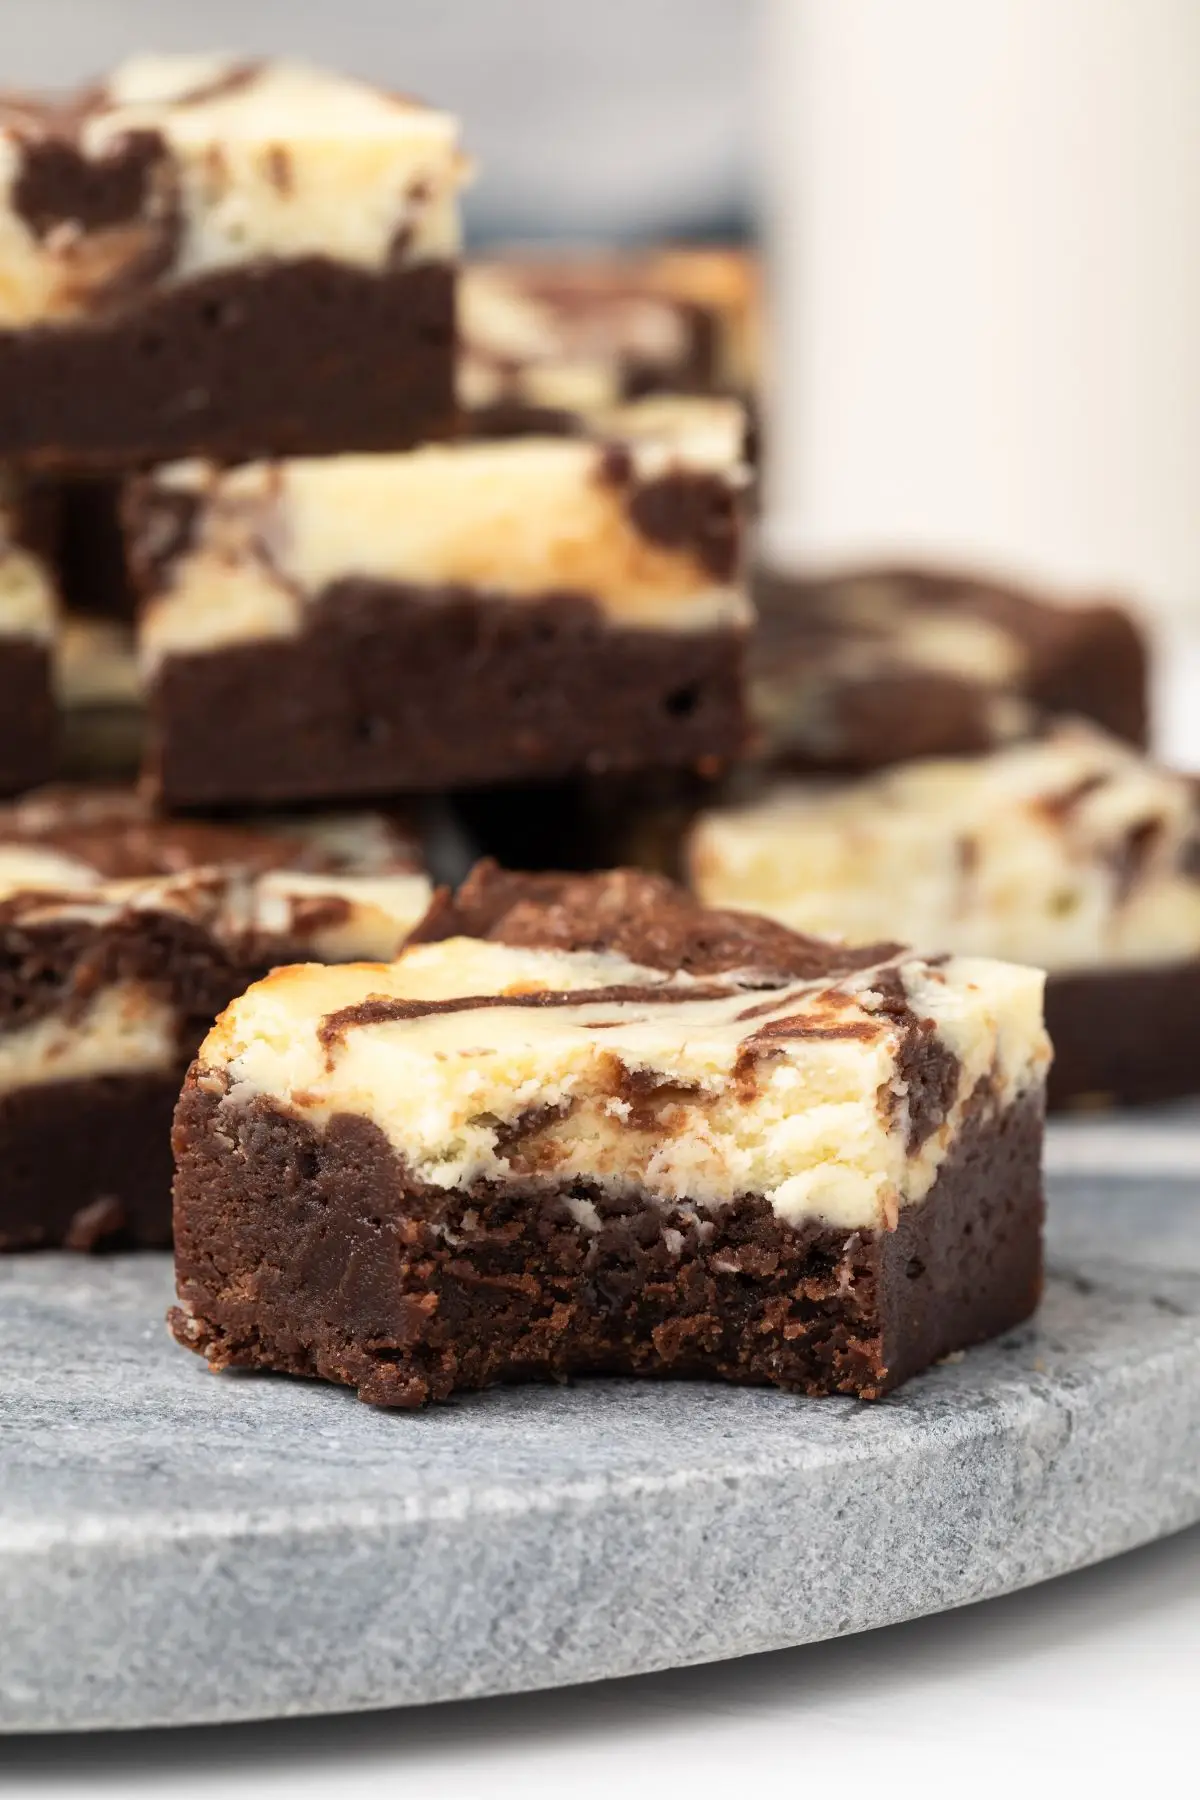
<point x="523" y="1154"/>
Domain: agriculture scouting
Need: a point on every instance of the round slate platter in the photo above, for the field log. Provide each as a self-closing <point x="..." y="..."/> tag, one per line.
<point x="176" y="1547"/>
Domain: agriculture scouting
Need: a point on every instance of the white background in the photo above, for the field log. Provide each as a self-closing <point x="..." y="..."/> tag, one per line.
<point x="1086" y="1686"/>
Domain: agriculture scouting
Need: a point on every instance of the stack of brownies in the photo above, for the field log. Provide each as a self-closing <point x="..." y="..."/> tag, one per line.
<point x="331" y="534"/>
<point x="245" y="536"/>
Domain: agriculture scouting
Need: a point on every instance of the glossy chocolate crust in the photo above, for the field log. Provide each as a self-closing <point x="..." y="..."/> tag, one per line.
<point x="28" y="716"/>
<point x="87" y="1164"/>
<point x="1087" y="659"/>
<point x="307" y="357"/>
<point x="391" y="690"/>
<point x="1124" y="1037"/>
<point x="316" y="1253"/>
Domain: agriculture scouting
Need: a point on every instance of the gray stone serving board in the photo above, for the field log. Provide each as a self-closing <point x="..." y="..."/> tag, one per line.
<point x="177" y="1548"/>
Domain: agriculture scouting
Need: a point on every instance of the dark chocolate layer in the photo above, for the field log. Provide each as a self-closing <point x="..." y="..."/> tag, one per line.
<point x="317" y="1254"/>
<point x="646" y="918"/>
<point x="1125" y="1037"/>
<point x="391" y="689"/>
<point x="307" y="357"/>
<point x="28" y="719"/>
<point x="87" y="1164"/>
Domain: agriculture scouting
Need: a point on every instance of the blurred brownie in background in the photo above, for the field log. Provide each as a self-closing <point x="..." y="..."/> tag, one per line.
<point x="1071" y="852"/>
<point x="122" y="935"/>
<point x="224" y="258"/>
<point x="586" y="1126"/>
<point x="548" y="339"/>
<point x="443" y="618"/>
<point x="875" y="666"/>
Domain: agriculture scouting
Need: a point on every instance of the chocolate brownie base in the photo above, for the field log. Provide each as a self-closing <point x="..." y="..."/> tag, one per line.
<point x="391" y="689"/>
<point x="307" y="357"/>
<point x="87" y="1164"/>
<point x="28" y="720"/>
<point x="1125" y="1037"/>
<point x="316" y="1254"/>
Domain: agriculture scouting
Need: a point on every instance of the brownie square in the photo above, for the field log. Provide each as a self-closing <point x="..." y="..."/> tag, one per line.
<point x="122" y="935"/>
<point x="225" y="258"/>
<point x="443" y="618"/>
<point x="583" y="1125"/>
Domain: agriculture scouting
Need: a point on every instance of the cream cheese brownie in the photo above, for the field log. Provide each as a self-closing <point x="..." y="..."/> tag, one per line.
<point x="1072" y="852"/>
<point x="454" y="615"/>
<point x="611" y="1132"/>
<point x="121" y="937"/>
<point x="544" y="340"/>
<point x="875" y="666"/>
<point x="209" y="256"/>
<point x="28" y="622"/>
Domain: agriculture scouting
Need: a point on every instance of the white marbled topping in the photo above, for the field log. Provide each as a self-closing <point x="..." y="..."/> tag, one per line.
<point x="259" y="160"/>
<point x="1072" y="851"/>
<point x="727" y="283"/>
<point x="511" y="520"/>
<point x="364" y="904"/>
<point x="662" y="1089"/>
<point x="561" y="338"/>
<point x="703" y="431"/>
<point x="128" y="1027"/>
<point x="123" y="1029"/>
<point x="568" y="332"/>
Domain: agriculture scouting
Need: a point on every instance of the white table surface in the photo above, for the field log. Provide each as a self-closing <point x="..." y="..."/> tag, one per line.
<point x="1086" y="1684"/>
